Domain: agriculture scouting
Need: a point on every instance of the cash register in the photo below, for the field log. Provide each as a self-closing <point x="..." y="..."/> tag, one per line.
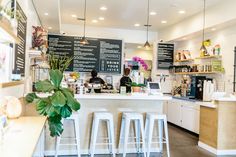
<point x="154" y="88"/>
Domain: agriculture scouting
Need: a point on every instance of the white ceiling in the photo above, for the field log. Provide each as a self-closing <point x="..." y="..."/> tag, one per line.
<point x="119" y="14"/>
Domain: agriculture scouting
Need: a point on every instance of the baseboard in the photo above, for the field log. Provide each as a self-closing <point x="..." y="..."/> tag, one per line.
<point x="216" y="151"/>
<point x="85" y="151"/>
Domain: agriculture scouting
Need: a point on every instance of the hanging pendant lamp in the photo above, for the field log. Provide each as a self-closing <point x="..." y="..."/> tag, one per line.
<point x="203" y="47"/>
<point x="83" y="40"/>
<point x="147" y="44"/>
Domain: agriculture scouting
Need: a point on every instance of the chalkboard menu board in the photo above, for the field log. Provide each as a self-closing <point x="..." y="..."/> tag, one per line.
<point x="21" y="47"/>
<point x="104" y="55"/>
<point x="165" y="55"/>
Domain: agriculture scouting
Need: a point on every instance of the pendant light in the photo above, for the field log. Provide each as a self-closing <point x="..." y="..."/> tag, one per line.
<point x="147" y="44"/>
<point x="83" y="40"/>
<point x="203" y="48"/>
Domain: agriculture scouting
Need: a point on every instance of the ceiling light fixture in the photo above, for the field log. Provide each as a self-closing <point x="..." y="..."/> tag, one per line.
<point x="164" y="22"/>
<point x="139" y="47"/>
<point x="101" y="18"/>
<point x="49" y="27"/>
<point x="46" y="14"/>
<point x="213" y="29"/>
<point x="153" y="13"/>
<point x="182" y="12"/>
<point x="103" y="8"/>
<point x="73" y="15"/>
<point x="203" y="49"/>
<point x="83" y="40"/>
<point x="94" y="21"/>
<point x="147" y="44"/>
<point x="136" y="25"/>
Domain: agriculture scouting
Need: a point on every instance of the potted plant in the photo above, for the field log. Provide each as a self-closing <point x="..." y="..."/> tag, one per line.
<point x="136" y="88"/>
<point x="57" y="102"/>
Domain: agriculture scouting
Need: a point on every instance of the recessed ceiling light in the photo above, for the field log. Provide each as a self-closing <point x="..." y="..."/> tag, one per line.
<point x="103" y="8"/>
<point x="153" y="13"/>
<point x="49" y="27"/>
<point x="73" y="15"/>
<point x="94" y="21"/>
<point x="163" y="21"/>
<point x="139" y="47"/>
<point x="213" y="29"/>
<point x="46" y="14"/>
<point x="182" y="12"/>
<point x="136" y="24"/>
<point x="184" y="38"/>
<point x="101" y="18"/>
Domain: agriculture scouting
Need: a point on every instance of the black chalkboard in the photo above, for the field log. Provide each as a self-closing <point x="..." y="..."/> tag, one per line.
<point x="165" y="55"/>
<point x="104" y="55"/>
<point x="19" y="64"/>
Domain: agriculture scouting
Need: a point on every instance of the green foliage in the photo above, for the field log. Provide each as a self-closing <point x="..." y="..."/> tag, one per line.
<point x="134" y="84"/>
<point x="59" y="104"/>
<point x="59" y="62"/>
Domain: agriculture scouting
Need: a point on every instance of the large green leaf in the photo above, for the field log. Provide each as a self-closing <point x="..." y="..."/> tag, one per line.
<point x="71" y="101"/>
<point x="56" y="77"/>
<point x="44" y="86"/>
<point x="52" y="111"/>
<point x="55" y="125"/>
<point x="66" y="111"/>
<point x="30" y="97"/>
<point x="58" y="99"/>
<point x="41" y="107"/>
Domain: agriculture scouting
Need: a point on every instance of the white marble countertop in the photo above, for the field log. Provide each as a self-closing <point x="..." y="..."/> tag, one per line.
<point x="207" y="104"/>
<point x="22" y="137"/>
<point x="102" y="96"/>
<point x="229" y="99"/>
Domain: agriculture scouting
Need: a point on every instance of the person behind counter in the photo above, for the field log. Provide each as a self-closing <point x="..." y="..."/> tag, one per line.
<point x="126" y="81"/>
<point x="96" y="80"/>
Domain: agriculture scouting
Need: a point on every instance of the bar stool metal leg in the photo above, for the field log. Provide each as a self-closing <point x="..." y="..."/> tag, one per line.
<point x="94" y="136"/>
<point x="167" y="137"/>
<point x="126" y="133"/>
<point x="77" y="134"/>
<point x="112" y="137"/>
<point x="137" y="134"/>
<point x="149" y="135"/>
<point x="143" y="137"/>
<point x="160" y="134"/>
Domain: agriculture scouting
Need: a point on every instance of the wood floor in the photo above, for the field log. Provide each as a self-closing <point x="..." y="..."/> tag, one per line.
<point x="182" y="144"/>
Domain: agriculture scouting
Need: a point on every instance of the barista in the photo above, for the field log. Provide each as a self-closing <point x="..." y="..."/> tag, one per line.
<point x="96" y="80"/>
<point x="126" y="81"/>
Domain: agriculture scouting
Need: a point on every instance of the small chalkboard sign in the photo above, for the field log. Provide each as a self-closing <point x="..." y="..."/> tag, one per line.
<point x="104" y="55"/>
<point x="165" y="55"/>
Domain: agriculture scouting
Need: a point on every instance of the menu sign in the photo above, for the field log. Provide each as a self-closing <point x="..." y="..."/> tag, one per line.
<point x="21" y="47"/>
<point x="165" y="56"/>
<point x="104" y="55"/>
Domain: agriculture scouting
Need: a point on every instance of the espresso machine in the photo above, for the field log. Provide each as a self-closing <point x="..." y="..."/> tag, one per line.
<point x="196" y="87"/>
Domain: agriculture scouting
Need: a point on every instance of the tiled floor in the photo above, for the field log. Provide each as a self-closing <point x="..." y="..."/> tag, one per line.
<point x="182" y="144"/>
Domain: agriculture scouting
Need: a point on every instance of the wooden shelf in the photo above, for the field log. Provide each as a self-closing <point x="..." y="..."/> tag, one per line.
<point x="6" y="29"/>
<point x="185" y="60"/>
<point x="209" y="57"/>
<point x="194" y="73"/>
<point x="12" y="83"/>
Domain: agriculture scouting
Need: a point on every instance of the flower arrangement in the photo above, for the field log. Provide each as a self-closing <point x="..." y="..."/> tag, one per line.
<point x="141" y="61"/>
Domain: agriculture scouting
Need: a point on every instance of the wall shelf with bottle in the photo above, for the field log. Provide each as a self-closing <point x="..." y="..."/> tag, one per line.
<point x="196" y="73"/>
<point x="185" y="60"/>
<point x="210" y="57"/>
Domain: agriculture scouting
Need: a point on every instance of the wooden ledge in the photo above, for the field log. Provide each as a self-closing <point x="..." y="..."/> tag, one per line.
<point x="12" y="83"/>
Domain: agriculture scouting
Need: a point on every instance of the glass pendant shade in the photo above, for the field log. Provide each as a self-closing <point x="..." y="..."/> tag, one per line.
<point x="84" y="41"/>
<point x="147" y="45"/>
<point x="203" y="49"/>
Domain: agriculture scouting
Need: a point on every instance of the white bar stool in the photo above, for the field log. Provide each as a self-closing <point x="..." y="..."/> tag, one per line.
<point x="127" y="117"/>
<point x="108" y="118"/>
<point x="75" y="118"/>
<point x="149" y="126"/>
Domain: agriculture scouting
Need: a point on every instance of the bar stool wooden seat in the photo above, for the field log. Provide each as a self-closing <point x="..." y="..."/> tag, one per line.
<point x="75" y="118"/>
<point x="127" y="117"/>
<point x="149" y="126"/>
<point x="108" y="118"/>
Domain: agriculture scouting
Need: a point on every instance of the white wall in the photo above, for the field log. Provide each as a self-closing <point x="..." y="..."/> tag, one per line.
<point x="144" y="54"/>
<point x="128" y="36"/>
<point x="216" y="15"/>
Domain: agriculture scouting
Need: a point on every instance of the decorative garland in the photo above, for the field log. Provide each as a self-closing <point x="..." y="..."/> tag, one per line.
<point x="141" y="61"/>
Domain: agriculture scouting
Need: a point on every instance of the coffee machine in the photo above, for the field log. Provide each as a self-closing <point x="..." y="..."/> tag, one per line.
<point x="196" y="87"/>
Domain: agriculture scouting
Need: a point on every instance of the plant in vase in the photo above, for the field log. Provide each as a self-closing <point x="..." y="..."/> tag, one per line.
<point x="39" y="36"/>
<point x="57" y="102"/>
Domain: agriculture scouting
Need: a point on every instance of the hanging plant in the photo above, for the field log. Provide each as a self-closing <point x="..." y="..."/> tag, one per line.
<point x="141" y="62"/>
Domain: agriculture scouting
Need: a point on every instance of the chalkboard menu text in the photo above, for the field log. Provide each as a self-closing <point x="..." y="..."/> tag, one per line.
<point x="104" y="55"/>
<point x="165" y="55"/>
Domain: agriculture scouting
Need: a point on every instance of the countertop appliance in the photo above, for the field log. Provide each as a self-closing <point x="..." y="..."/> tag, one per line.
<point x="196" y="87"/>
